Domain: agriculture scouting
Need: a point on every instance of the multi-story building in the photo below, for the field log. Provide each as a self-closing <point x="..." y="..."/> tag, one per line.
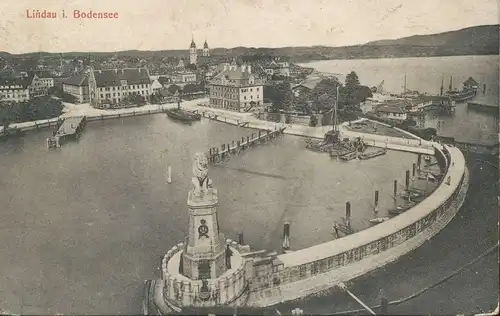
<point x="14" y="89"/>
<point x="185" y="77"/>
<point x="40" y="83"/>
<point x="114" y="85"/>
<point x="77" y="86"/>
<point x="236" y="88"/>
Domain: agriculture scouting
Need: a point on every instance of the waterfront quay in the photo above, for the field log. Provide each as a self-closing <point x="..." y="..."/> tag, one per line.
<point x="120" y="203"/>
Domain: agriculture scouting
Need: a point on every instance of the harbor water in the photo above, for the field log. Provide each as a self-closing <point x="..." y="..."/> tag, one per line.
<point x="84" y="225"/>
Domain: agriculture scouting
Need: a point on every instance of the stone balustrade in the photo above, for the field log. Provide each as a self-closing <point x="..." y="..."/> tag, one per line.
<point x="181" y="291"/>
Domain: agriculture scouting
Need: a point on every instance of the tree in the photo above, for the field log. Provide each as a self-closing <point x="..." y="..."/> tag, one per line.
<point x="324" y="94"/>
<point x="135" y="98"/>
<point x="313" y="121"/>
<point x="156" y="97"/>
<point x="173" y="89"/>
<point x="280" y="95"/>
<point x="190" y="88"/>
<point x="351" y="80"/>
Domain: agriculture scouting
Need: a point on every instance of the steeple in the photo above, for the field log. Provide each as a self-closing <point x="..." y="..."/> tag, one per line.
<point x="206" y="50"/>
<point x="193" y="44"/>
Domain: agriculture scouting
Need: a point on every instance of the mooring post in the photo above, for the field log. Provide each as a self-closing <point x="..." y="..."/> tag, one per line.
<point x="384" y="303"/>
<point x="286" y="236"/>
<point x="407" y="179"/>
<point x="395" y="189"/>
<point x="169" y="174"/>
<point x="348" y="214"/>
<point x="228" y="149"/>
<point x="248" y="141"/>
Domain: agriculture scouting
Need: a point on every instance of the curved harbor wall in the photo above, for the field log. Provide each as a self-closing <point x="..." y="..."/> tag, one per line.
<point x="311" y="270"/>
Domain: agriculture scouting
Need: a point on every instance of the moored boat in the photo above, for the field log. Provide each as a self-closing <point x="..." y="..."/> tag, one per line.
<point x="349" y="156"/>
<point x="398" y="210"/>
<point x="183" y="115"/>
<point x="378" y="220"/>
<point x="373" y="154"/>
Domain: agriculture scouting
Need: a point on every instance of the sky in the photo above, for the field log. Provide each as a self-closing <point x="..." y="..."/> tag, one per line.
<point x="169" y="24"/>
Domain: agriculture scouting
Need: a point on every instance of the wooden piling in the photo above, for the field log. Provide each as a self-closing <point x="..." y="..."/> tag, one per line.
<point x="240" y="239"/>
<point x="414" y="169"/>
<point x="348" y="214"/>
<point x="407" y="179"/>
<point x="395" y="188"/>
<point x="376" y="199"/>
<point x="286" y="236"/>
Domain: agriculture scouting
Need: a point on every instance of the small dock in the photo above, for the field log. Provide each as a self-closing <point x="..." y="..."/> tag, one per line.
<point x="219" y="154"/>
<point x="69" y="128"/>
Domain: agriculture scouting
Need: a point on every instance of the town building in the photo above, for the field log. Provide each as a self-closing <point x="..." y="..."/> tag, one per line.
<point x="392" y="112"/>
<point x="185" y="77"/>
<point x="40" y="83"/>
<point x="236" y="88"/>
<point x="14" y="89"/>
<point x="305" y="87"/>
<point x="277" y="68"/>
<point x="156" y="86"/>
<point x="113" y="85"/>
<point x="77" y="86"/>
<point x="470" y="84"/>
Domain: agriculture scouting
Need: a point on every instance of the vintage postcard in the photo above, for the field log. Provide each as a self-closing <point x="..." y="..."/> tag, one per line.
<point x="249" y="157"/>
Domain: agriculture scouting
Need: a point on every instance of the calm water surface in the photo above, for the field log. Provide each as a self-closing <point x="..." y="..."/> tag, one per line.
<point x="84" y="225"/>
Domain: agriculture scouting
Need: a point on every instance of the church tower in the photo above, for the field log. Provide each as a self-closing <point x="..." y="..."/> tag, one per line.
<point x="193" y="54"/>
<point x="206" y="50"/>
<point x="205" y="255"/>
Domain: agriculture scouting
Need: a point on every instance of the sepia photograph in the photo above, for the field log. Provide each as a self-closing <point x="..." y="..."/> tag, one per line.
<point x="249" y="157"/>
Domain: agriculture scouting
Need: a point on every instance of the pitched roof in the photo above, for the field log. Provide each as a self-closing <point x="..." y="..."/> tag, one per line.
<point x="391" y="109"/>
<point x="14" y="81"/>
<point x="234" y="77"/>
<point x="310" y="83"/>
<point x="470" y="82"/>
<point x="112" y="77"/>
<point x="78" y="80"/>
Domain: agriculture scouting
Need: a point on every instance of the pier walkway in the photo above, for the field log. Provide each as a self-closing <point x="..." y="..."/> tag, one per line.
<point x="70" y="127"/>
<point x="218" y="154"/>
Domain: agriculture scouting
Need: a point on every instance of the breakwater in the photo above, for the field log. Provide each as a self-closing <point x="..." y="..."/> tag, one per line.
<point x="312" y="270"/>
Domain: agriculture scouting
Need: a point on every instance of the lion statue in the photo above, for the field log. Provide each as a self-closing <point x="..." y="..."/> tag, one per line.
<point x="200" y="171"/>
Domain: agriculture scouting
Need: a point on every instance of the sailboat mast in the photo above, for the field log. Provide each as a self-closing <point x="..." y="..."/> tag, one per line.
<point x="405" y="85"/>
<point x="442" y="86"/>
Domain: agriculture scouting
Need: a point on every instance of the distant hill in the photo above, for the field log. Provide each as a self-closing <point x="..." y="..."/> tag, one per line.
<point x="477" y="36"/>
<point x="477" y="40"/>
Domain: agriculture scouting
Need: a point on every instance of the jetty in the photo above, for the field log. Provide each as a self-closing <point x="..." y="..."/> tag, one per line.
<point x="219" y="154"/>
<point x="69" y="128"/>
